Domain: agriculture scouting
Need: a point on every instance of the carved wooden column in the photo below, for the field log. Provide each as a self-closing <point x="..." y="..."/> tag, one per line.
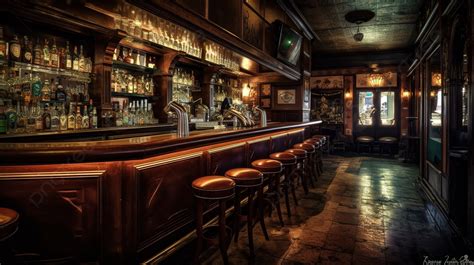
<point x="104" y="51"/>
<point x="163" y="80"/>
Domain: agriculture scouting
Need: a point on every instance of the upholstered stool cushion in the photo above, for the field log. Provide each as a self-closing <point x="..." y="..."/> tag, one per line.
<point x="309" y="148"/>
<point x="285" y="158"/>
<point x="316" y="143"/>
<point x="299" y="153"/>
<point x="365" y="139"/>
<point x="268" y="166"/>
<point x="213" y="187"/>
<point x="388" y="140"/>
<point x="245" y="177"/>
<point x="8" y="223"/>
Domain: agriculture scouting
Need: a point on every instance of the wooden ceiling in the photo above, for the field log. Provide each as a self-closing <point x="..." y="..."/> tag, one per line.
<point x="392" y="28"/>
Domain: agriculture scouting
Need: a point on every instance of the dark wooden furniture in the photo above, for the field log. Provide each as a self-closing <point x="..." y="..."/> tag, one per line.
<point x="287" y="160"/>
<point x="250" y="181"/>
<point x="213" y="188"/>
<point x="123" y="201"/>
<point x="365" y="141"/>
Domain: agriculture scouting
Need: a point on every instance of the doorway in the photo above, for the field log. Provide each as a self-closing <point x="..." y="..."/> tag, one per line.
<point x="376" y="112"/>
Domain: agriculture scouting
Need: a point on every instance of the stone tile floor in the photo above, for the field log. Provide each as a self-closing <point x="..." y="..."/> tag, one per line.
<point x="362" y="211"/>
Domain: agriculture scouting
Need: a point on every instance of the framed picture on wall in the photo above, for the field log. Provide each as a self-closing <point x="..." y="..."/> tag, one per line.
<point x="286" y="96"/>
<point x="266" y="103"/>
<point x="265" y="90"/>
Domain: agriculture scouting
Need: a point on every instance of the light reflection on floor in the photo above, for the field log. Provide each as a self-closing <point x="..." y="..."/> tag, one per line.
<point x="375" y="216"/>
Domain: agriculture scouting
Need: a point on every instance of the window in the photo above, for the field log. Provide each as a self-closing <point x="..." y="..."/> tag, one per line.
<point x="366" y="108"/>
<point x="387" y="108"/>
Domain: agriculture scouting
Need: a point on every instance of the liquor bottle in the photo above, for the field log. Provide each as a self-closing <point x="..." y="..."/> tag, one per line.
<point x="85" y="119"/>
<point x="15" y="49"/>
<point x="27" y="50"/>
<point x="128" y="56"/>
<point x="62" y="58"/>
<point x="38" y="53"/>
<point x="82" y="62"/>
<point x="53" y="88"/>
<point x="94" y="118"/>
<point x="60" y="93"/>
<point x="46" y="53"/>
<point x="3" y="121"/>
<point x="68" y="56"/>
<point x="75" y="60"/>
<point x="130" y="114"/>
<point x="78" y="118"/>
<point x="141" y="114"/>
<point x="71" y="118"/>
<point x="125" y="117"/>
<point x="38" y="118"/>
<point x="11" y="118"/>
<point x="46" y="118"/>
<point x="22" y="118"/>
<point x="130" y="84"/>
<point x="118" y="117"/>
<point x="63" y="119"/>
<point x="3" y="46"/>
<point x="36" y="87"/>
<point x="55" y="120"/>
<point x="151" y="61"/>
<point x="46" y="91"/>
<point x="140" y="85"/>
<point x="54" y="55"/>
<point x="31" y="120"/>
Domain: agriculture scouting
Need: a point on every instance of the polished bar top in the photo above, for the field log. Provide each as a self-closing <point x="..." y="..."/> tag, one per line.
<point x="128" y="148"/>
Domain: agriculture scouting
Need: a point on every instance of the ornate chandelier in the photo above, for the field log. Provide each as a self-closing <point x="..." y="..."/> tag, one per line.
<point x="376" y="80"/>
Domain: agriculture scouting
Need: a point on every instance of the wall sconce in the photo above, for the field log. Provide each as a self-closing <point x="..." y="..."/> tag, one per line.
<point x="347" y="93"/>
<point x="406" y="93"/>
<point x="436" y="79"/>
<point x="433" y="93"/>
<point x="246" y="91"/>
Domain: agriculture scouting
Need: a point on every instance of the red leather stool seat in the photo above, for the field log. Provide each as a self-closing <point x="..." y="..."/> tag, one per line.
<point x="309" y="148"/>
<point x="299" y="153"/>
<point x="245" y="177"/>
<point x="8" y="223"/>
<point x="268" y="166"/>
<point x="285" y="158"/>
<point x="213" y="187"/>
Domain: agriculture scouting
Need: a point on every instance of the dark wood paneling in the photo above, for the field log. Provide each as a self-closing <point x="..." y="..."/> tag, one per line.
<point x="279" y="143"/>
<point x="198" y="6"/>
<point x="226" y="157"/>
<point x="227" y="14"/>
<point x="258" y="149"/>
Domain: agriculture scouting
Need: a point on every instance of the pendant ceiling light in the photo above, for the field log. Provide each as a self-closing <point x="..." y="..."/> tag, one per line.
<point x="358" y="17"/>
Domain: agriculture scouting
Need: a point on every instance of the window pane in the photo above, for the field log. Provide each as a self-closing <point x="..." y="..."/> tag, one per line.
<point x="387" y="108"/>
<point x="366" y="107"/>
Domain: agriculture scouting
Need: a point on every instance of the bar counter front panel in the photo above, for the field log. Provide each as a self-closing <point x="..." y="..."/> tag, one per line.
<point x="122" y="201"/>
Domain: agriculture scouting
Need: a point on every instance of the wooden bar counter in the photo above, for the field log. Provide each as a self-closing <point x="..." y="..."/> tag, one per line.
<point x="122" y="201"/>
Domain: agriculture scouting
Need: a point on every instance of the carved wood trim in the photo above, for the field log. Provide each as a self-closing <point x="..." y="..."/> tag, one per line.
<point x="227" y="147"/>
<point x="50" y="175"/>
<point x="166" y="161"/>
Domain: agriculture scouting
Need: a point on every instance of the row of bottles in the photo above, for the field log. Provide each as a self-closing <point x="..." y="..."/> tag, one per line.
<point x="217" y="54"/>
<point x="136" y="113"/>
<point x="47" y="117"/>
<point x="45" y="52"/>
<point x="124" y="81"/>
<point x="184" y="81"/>
<point x="131" y="56"/>
<point x="144" y="25"/>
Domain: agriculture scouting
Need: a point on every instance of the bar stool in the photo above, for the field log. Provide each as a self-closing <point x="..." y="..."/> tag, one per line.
<point x="298" y="170"/>
<point x="252" y="180"/>
<point x="365" y="141"/>
<point x="318" y="162"/>
<point x="216" y="188"/>
<point x="325" y="141"/>
<point x="8" y="227"/>
<point x="271" y="170"/>
<point x="287" y="160"/>
<point x="309" y="165"/>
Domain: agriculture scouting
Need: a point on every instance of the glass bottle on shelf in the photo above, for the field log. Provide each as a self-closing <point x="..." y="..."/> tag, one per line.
<point x="131" y="114"/>
<point x="82" y="62"/>
<point x="75" y="60"/>
<point x="31" y="120"/>
<point x="46" y="118"/>
<point x="15" y="49"/>
<point x="130" y="84"/>
<point x="11" y="118"/>
<point x="54" y="55"/>
<point x="60" y="93"/>
<point x="85" y="119"/>
<point x="46" y="91"/>
<point x="125" y="116"/>
<point x="38" y="118"/>
<point x="68" y="56"/>
<point x="55" y="120"/>
<point x="63" y="119"/>
<point x="22" y="118"/>
<point x="27" y="51"/>
<point x="71" y="118"/>
<point x="3" y="46"/>
<point x="46" y="54"/>
<point x="118" y="116"/>
<point x="78" y="118"/>
<point x="94" y="118"/>
<point x="53" y="88"/>
<point x="140" y="83"/>
<point x="38" y="53"/>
